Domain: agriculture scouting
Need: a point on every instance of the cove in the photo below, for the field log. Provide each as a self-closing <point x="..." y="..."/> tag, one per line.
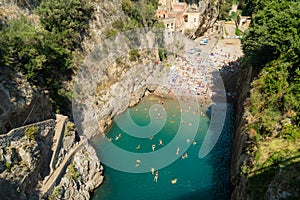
<point x="205" y="178"/>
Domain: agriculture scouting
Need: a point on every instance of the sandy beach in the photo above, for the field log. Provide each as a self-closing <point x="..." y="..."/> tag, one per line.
<point x="201" y="72"/>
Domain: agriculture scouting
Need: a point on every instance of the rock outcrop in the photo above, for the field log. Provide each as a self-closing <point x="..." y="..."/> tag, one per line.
<point x="21" y="103"/>
<point x="82" y="176"/>
<point x="25" y="160"/>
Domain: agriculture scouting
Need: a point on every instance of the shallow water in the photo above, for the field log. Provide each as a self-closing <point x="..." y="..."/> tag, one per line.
<point x="205" y="178"/>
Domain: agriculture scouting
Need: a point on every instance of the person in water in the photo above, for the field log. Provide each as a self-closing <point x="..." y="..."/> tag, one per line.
<point x="160" y="142"/>
<point x="184" y="156"/>
<point x="156" y="177"/>
<point x="177" y="151"/>
<point x="138" y="147"/>
<point x="137" y="163"/>
<point x="174" y="181"/>
<point x="118" y="137"/>
<point x="152" y="170"/>
<point x="153" y="147"/>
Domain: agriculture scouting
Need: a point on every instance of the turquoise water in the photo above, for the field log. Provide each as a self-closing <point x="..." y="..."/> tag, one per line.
<point x="206" y="178"/>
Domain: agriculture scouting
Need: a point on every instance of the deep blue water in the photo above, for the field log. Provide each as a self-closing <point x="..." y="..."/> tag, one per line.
<point x="205" y="178"/>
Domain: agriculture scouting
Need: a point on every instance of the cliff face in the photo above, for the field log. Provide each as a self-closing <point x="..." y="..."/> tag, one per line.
<point x="240" y="137"/>
<point x="21" y="103"/>
<point x="82" y="176"/>
<point x="24" y="159"/>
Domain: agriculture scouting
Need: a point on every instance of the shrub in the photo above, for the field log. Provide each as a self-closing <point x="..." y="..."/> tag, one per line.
<point x="73" y="173"/>
<point x="31" y="132"/>
<point x="134" y="55"/>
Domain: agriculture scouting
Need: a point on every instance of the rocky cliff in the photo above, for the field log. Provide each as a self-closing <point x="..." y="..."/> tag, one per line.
<point x="24" y="159"/>
<point x="82" y="176"/>
<point x="21" y="103"/>
<point x="240" y="136"/>
<point x="273" y="183"/>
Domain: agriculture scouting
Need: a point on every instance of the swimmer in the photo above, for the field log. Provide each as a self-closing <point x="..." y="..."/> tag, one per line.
<point x="190" y="124"/>
<point x="188" y="140"/>
<point x="177" y="151"/>
<point x="174" y="181"/>
<point x="160" y="142"/>
<point x="118" y="137"/>
<point x="186" y="155"/>
<point x="151" y="137"/>
<point x="138" y="147"/>
<point x="195" y="142"/>
<point x="152" y="170"/>
<point x="137" y="163"/>
<point x="110" y="139"/>
<point x="153" y="147"/>
<point x="156" y="177"/>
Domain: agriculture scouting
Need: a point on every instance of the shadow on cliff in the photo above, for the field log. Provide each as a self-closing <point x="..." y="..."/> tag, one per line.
<point x="8" y="190"/>
<point x="278" y="178"/>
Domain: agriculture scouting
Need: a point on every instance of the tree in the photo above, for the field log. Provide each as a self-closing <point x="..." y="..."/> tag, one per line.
<point x="67" y="19"/>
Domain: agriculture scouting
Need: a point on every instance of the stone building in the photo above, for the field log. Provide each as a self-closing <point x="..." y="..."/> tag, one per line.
<point x="183" y="16"/>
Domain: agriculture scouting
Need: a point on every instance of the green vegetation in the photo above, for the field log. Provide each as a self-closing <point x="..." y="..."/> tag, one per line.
<point x="272" y="48"/>
<point x="225" y="7"/>
<point x="31" y="132"/>
<point x="45" y="52"/>
<point x="139" y="15"/>
<point x="140" y="12"/>
<point x="162" y="54"/>
<point x="72" y="173"/>
<point x="67" y="20"/>
<point x="237" y="31"/>
<point x="8" y="166"/>
<point x="69" y="127"/>
<point x="134" y="55"/>
<point x="56" y="194"/>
